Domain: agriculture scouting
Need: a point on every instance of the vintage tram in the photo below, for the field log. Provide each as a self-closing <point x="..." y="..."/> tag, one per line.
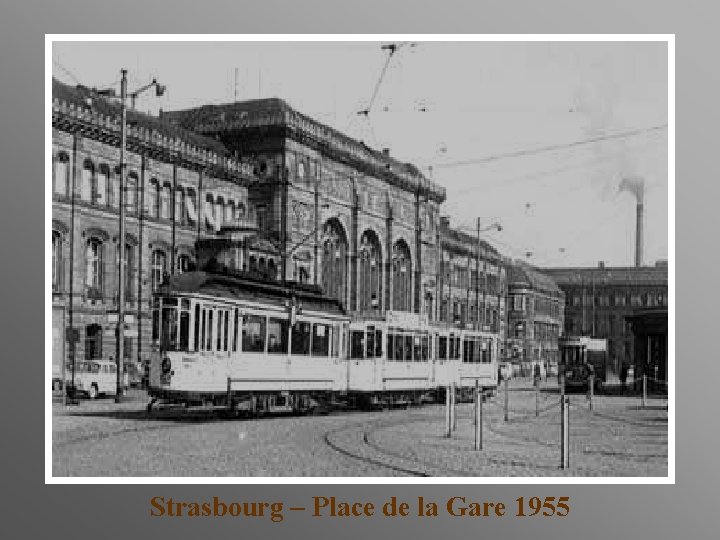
<point x="581" y="358"/>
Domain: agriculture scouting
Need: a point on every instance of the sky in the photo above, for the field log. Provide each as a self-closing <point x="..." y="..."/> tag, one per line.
<point x="475" y="116"/>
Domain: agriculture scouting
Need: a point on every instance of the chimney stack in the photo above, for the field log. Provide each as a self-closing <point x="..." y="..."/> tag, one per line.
<point x="636" y="186"/>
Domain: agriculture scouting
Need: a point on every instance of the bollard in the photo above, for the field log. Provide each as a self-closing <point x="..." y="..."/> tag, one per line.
<point x="565" y="433"/>
<point x="454" y="407"/>
<point x="478" y="416"/>
<point x="591" y="390"/>
<point x="448" y="419"/>
<point x="507" y="399"/>
<point x="229" y="401"/>
<point x="644" y="390"/>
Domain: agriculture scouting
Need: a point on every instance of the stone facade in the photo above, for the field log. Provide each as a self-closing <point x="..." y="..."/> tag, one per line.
<point x="353" y="220"/>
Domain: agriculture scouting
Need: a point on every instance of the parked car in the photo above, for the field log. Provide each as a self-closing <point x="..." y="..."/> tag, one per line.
<point x="95" y="378"/>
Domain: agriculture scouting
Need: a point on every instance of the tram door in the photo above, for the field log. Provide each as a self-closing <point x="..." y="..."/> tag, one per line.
<point x="364" y="346"/>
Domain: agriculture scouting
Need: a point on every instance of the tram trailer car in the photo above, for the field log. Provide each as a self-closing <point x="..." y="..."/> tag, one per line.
<point x="249" y="345"/>
<point x="579" y="357"/>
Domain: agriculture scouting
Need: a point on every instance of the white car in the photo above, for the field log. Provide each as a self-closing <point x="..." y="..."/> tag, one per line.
<point x="95" y="377"/>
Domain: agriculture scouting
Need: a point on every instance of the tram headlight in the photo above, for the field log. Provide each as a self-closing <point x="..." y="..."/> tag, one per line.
<point x="166" y="365"/>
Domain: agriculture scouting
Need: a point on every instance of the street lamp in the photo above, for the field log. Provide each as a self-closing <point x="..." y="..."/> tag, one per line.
<point x="159" y="91"/>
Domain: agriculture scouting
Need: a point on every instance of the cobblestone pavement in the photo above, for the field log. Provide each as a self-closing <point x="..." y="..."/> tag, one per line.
<point x="618" y="438"/>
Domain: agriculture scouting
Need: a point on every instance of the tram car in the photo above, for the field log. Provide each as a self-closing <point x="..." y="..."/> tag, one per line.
<point x="581" y="357"/>
<point x="246" y="344"/>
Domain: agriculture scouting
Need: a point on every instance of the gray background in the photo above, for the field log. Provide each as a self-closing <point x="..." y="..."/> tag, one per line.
<point x="37" y="510"/>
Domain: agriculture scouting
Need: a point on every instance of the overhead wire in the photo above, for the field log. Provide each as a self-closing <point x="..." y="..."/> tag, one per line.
<point x="551" y="148"/>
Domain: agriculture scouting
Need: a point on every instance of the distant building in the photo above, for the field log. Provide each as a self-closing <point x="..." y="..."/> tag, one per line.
<point x="472" y="281"/>
<point x="598" y="301"/>
<point x="535" y="316"/>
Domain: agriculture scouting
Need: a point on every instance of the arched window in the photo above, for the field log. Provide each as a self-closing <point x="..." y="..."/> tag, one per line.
<point x="369" y="272"/>
<point x="191" y="206"/>
<point x="271" y="269"/>
<point x="94" y="268"/>
<point x="334" y="267"/>
<point x="62" y="169"/>
<point x="86" y="182"/>
<point x="303" y="275"/>
<point x="57" y="261"/>
<point x="157" y="268"/>
<point x="219" y="215"/>
<point x="131" y="187"/>
<point x="184" y="263"/>
<point x="101" y="186"/>
<point x="240" y="212"/>
<point x="151" y="202"/>
<point x="165" y="202"/>
<point x="402" y="277"/>
<point x="115" y="189"/>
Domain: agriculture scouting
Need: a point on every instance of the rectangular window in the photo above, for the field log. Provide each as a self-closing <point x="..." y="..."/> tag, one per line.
<point x="235" y="330"/>
<point x="399" y="348"/>
<point x="370" y="342"/>
<point x="253" y="335"/>
<point x="277" y="336"/>
<point x="184" y="330"/>
<point x="300" y="338"/>
<point x="196" y="342"/>
<point x="425" y="348"/>
<point x="442" y="348"/>
<point x="219" y="333"/>
<point x="201" y="346"/>
<point x="335" y="341"/>
<point x="357" y="344"/>
<point x="408" y="348"/>
<point x="390" y="348"/>
<point x="225" y="333"/>
<point x="320" y="339"/>
<point x="417" y="349"/>
<point x="208" y="342"/>
<point x="168" y="335"/>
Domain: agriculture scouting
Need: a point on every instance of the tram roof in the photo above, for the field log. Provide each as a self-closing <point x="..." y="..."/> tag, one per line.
<point x="244" y="288"/>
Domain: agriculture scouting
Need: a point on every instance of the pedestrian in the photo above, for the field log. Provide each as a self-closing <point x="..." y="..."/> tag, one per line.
<point x="537" y="374"/>
<point x="623" y="376"/>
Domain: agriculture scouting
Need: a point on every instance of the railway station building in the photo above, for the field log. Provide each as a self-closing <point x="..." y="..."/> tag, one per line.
<point x="309" y="203"/>
<point x="353" y="220"/>
<point x="600" y="302"/>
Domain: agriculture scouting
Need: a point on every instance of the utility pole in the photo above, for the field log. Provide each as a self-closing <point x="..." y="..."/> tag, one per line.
<point x="121" y="240"/>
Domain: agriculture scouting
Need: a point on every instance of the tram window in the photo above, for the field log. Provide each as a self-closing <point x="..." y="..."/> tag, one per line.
<point x="425" y="347"/>
<point x="219" y="333"/>
<point x="417" y="349"/>
<point x="320" y="339"/>
<point x="378" y="344"/>
<point x="370" y="342"/>
<point x="155" y="324"/>
<point x="357" y="344"/>
<point x="277" y="336"/>
<point x="442" y="347"/>
<point x="201" y="345"/>
<point x="408" y="348"/>
<point x="451" y="351"/>
<point x="253" y="335"/>
<point x="466" y="351"/>
<point x="225" y="333"/>
<point x="399" y="348"/>
<point x="300" y="338"/>
<point x="197" y="327"/>
<point x="184" y="330"/>
<point x="235" y="330"/>
<point x="457" y="348"/>
<point x="208" y="342"/>
<point x="168" y="335"/>
<point x="390" y="348"/>
<point x="335" y="341"/>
